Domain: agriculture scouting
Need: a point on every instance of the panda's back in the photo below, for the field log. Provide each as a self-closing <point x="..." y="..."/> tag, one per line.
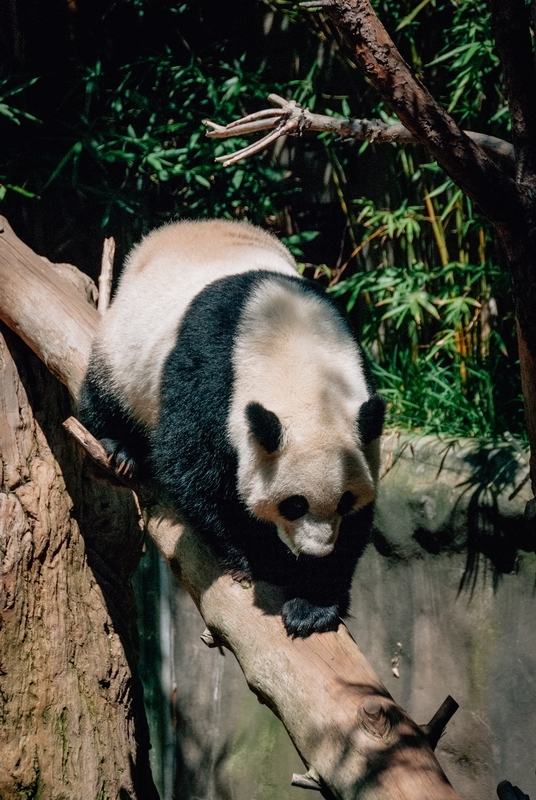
<point x="161" y="277"/>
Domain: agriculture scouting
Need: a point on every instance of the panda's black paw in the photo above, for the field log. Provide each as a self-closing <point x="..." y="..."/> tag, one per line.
<point x="119" y="458"/>
<point x="301" y="618"/>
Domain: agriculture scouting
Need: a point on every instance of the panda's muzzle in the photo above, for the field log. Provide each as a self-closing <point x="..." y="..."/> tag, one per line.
<point x="314" y="537"/>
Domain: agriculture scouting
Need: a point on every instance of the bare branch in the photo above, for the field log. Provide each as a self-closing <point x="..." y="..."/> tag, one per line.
<point x="252" y="148"/>
<point x="268" y="112"/>
<point x="106" y="274"/>
<point x="293" y="119"/>
<point x="435" y="728"/>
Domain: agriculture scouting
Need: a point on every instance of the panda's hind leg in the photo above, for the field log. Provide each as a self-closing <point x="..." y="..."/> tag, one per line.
<point x="101" y="413"/>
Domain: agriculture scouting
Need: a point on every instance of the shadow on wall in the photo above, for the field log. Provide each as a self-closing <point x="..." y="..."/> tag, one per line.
<point x="440" y="496"/>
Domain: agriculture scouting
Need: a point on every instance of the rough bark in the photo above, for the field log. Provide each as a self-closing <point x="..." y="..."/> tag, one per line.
<point x="73" y="719"/>
<point x="73" y="724"/>
<point x="344" y="723"/>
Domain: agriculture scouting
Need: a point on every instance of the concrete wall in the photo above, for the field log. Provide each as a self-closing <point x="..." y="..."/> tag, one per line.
<point x="444" y="598"/>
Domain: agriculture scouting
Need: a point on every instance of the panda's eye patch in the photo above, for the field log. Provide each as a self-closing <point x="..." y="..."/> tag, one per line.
<point x="346" y="503"/>
<point x="293" y="507"/>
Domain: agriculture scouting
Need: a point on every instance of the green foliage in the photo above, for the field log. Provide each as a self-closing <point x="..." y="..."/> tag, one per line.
<point x="429" y="323"/>
<point x="6" y="109"/>
<point x="472" y="65"/>
<point x="112" y="143"/>
<point x="142" y="126"/>
<point x="16" y="115"/>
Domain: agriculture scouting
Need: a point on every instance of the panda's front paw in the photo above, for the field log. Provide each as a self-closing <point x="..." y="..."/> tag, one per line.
<point x="120" y="458"/>
<point x="301" y="618"/>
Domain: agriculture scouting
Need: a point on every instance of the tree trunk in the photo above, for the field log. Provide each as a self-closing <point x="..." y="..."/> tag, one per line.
<point x="73" y="724"/>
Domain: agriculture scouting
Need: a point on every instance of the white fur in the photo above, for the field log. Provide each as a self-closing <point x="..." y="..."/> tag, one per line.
<point x="295" y="357"/>
<point x="162" y="275"/>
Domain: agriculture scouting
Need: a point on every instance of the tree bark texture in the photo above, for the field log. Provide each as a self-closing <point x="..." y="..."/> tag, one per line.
<point x="341" y="718"/>
<point x="73" y="724"/>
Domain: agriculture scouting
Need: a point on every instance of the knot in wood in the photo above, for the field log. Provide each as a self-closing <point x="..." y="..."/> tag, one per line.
<point x="372" y="707"/>
<point x="375" y="718"/>
<point x="210" y="639"/>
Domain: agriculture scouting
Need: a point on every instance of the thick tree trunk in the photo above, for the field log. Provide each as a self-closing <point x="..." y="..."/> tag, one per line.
<point x="73" y="724"/>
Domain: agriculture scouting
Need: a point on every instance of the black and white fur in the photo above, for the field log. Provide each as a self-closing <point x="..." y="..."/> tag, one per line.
<point x="238" y="384"/>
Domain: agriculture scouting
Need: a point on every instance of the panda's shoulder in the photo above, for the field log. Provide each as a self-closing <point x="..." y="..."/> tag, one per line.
<point x="200" y="241"/>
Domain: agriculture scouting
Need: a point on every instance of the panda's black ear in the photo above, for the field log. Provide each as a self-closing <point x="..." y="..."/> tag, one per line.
<point x="370" y="419"/>
<point x="265" y="427"/>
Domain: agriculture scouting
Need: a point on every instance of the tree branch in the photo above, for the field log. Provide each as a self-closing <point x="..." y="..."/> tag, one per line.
<point x="106" y="274"/>
<point x="436" y="727"/>
<point x="29" y="291"/>
<point x="510" y="23"/>
<point x="337" y="712"/>
<point x="291" y="118"/>
<point x="464" y="160"/>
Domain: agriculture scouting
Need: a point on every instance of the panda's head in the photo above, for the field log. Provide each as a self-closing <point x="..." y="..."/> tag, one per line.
<point x="305" y="481"/>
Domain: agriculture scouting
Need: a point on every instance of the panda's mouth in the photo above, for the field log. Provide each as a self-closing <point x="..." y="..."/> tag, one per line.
<point x="285" y="538"/>
<point x="311" y="538"/>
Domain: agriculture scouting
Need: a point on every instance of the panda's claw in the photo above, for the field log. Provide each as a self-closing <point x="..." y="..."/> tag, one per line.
<point x="301" y="618"/>
<point x="119" y="458"/>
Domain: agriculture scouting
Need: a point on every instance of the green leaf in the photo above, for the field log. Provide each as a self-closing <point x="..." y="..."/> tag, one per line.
<point x="202" y="180"/>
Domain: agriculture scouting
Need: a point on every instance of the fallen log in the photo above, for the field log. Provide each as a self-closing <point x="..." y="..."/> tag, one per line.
<point x="353" y="738"/>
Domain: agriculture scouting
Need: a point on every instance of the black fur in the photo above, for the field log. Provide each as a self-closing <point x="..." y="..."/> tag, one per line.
<point x="319" y="591"/>
<point x="293" y="507"/>
<point x="265" y="427"/>
<point x="108" y="421"/>
<point x="370" y="419"/>
<point x="193" y="461"/>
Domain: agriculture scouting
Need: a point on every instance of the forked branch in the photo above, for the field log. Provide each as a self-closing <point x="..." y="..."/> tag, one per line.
<point x="292" y="119"/>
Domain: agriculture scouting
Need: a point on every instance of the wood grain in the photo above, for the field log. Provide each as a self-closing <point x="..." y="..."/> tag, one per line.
<point x="43" y="308"/>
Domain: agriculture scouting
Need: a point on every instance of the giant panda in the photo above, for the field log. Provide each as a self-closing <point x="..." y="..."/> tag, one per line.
<point x="236" y="384"/>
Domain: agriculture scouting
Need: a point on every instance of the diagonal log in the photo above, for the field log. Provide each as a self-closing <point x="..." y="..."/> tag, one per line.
<point x="352" y="736"/>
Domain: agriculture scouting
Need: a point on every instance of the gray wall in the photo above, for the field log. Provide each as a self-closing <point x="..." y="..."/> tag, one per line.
<point x="446" y="519"/>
